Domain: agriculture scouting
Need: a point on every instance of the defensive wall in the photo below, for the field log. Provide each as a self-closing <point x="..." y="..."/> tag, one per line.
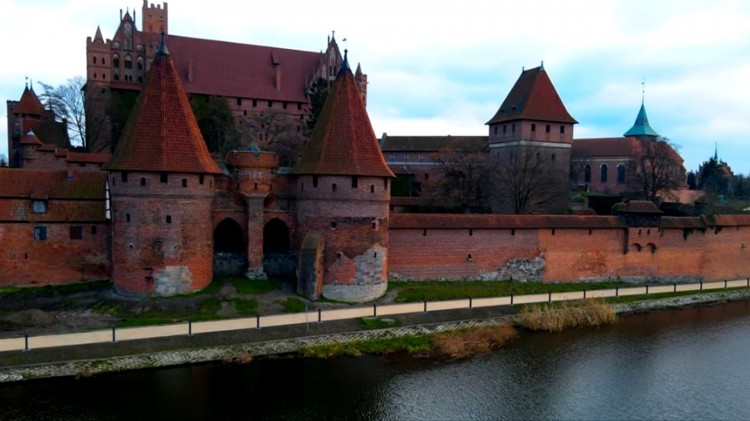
<point x="568" y="248"/>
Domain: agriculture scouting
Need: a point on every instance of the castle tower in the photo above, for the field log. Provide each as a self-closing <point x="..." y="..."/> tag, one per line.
<point x="155" y="19"/>
<point x="361" y="80"/>
<point x="532" y="133"/>
<point x="161" y="181"/>
<point x="343" y="192"/>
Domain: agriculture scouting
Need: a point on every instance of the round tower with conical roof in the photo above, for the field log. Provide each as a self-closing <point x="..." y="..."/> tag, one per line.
<point x="161" y="181"/>
<point x="343" y="194"/>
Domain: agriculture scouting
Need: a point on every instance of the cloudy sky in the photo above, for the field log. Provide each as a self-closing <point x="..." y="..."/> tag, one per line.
<point x="444" y="67"/>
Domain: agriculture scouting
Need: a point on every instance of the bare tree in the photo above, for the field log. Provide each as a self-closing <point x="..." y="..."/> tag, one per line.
<point x="529" y="180"/>
<point x="275" y="131"/>
<point x="66" y="101"/>
<point x="655" y="168"/>
<point x="462" y="176"/>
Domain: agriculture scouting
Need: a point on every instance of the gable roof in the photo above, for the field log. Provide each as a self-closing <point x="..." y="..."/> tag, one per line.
<point x="484" y="221"/>
<point x="533" y="97"/>
<point x="229" y="69"/>
<point x="343" y="142"/>
<point x="617" y="147"/>
<point x="430" y="143"/>
<point x="51" y="184"/>
<point x="641" y="126"/>
<point x="29" y="103"/>
<point x="162" y="133"/>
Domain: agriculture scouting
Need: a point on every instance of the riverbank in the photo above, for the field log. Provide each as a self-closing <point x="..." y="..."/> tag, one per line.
<point x="238" y="347"/>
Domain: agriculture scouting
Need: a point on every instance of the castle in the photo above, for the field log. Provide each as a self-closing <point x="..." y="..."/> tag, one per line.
<point x="160" y="217"/>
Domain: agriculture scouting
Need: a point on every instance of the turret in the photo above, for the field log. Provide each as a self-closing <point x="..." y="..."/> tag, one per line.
<point x="161" y="180"/>
<point x="343" y="193"/>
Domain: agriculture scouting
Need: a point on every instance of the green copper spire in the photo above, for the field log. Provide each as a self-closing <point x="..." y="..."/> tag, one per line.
<point x="641" y="126"/>
<point x="161" y="50"/>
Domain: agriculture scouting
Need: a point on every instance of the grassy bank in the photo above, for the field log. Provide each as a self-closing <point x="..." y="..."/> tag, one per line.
<point x="556" y="317"/>
<point x="416" y="291"/>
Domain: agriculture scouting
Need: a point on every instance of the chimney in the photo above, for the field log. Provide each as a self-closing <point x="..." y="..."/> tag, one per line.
<point x="278" y="77"/>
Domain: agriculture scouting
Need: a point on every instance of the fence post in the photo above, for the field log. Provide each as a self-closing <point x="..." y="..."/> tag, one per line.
<point x="675" y="286"/>
<point x="549" y="297"/>
<point x="584" y="294"/>
<point x="511" y="299"/>
<point x="470" y="304"/>
<point x="190" y="328"/>
<point x="701" y="286"/>
<point x="617" y="291"/>
<point x="257" y="321"/>
<point x="320" y="318"/>
<point x="725" y="284"/>
<point x="374" y="310"/>
<point x="646" y="289"/>
<point x="425" y="306"/>
<point x="25" y="342"/>
<point x="114" y="338"/>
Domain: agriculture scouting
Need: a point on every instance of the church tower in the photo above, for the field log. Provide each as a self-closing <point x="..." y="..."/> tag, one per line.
<point x="155" y="19"/>
<point x="530" y="138"/>
<point x="343" y="193"/>
<point x="161" y="181"/>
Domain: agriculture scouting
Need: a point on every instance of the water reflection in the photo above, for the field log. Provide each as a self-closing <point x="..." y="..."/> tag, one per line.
<point x="686" y="364"/>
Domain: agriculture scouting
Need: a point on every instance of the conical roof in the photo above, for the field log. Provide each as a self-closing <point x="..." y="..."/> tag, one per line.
<point x="343" y="141"/>
<point x="641" y="126"/>
<point x="533" y="97"/>
<point x="98" y="36"/>
<point x="29" y="103"/>
<point x="162" y="133"/>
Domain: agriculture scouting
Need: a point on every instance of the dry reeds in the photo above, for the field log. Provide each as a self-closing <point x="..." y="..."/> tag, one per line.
<point x="554" y="319"/>
<point x="467" y="342"/>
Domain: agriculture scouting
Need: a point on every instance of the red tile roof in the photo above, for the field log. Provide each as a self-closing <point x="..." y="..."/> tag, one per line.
<point x="88" y="158"/>
<point x="430" y="143"/>
<point x="343" y="142"/>
<point x="48" y="131"/>
<point x="727" y="220"/>
<point x="30" y="139"/>
<point x="46" y="184"/>
<point x="29" y="103"/>
<point x="161" y="133"/>
<point x="240" y="70"/>
<point x="533" y="97"/>
<point x="476" y="221"/>
<point x="614" y="147"/>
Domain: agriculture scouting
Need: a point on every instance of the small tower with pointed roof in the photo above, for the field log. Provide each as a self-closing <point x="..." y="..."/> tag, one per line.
<point x="641" y="127"/>
<point x="343" y="193"/>
<point x="532" y="128"/>
<point x="161" y="179"/>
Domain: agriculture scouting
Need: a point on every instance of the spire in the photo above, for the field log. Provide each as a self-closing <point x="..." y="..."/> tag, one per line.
<point x="344" y="65"/>
<point x="358" y="73"/>
<point x="716" y="151"/>
<point x="343" y="142"/>
<point x="162" y="134"/>
<point x="162" y="50"/>
<point x="641" y="126"/>
<point x="98" y="36"/>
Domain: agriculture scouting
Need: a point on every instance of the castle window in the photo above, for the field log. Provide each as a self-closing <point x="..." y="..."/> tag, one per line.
<point x="76" y="232"/>
<point x="143" y="181"/>
<point x="140" y="63"/>
<point x="285" y="104"/>
<point x="40" y="233"/>
<point x="471" y="232"/>
<point x="468" y="258"/>
<point x="116" y="77"/>
<point x="546" y="128"/>
<point x="355" y="182"/>
<point x="38" y="206"/>
<point x="372" y="188"/>
<point x="333" y="224"/>
<point x="424" y="232"/>
<point x="513" y="128"/>
<point x="239" y="101"/>
<point x="184" y="182"/>
<point x="333" y="187"/>
<point x="169" y="219"/>
<point x="93" y="230"/>
<point x="164" y="177"/>
<point x="587" y="173"/>
<point x="104" y="76"/>
<point x="116" y="61"/>
<point x="603" y="173"/>
<point x="562" y="129"/>
<point x="104" y="60"/>
<point x="255" y="186"/>
<point x="315" y="181"/>
<point x="385" y="184"/>
<point x="94" y="75"/>
<point x="127" y="217"/>
<point x="374" y="225"/>
<point x="94" y="60"/>
<point x="620" y="173"/>
<point x="505" y="128"/>
<point x="302" y="186"/>
<point x="244" y="113"/>
<point x="128" y="63"/>
<point x="200" y="179"/>
<point x="553" y="156"/>
<point x="270" y="104"/>
<point x="495" y="129"/>
<point x="255" y="103"/>
<point x="533" y="127"/>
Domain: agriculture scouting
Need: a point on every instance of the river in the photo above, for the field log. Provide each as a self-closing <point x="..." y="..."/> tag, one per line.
<point x="683" y="364"/>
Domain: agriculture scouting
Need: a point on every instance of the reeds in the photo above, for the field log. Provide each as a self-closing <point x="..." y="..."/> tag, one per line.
<point x="545" y="317"/>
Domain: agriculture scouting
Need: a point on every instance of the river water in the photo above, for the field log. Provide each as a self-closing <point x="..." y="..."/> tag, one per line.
<point x="683" y="364"/>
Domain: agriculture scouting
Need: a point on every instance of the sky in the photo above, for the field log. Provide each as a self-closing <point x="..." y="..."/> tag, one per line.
<point x="444" y="67"/>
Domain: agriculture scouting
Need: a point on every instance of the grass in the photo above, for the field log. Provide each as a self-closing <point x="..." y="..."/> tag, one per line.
<point x="557" y="317"/>
<point x="255" y="286"/>
<point x="293" y="305"/>
<point x="55" y="290"/>
<point x="371" y="323"/>
<point x="454" y="344"/>
<point x="416" y="291"/>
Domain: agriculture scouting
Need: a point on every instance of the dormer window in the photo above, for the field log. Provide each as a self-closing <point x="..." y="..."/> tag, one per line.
<point x="39" y="206"/>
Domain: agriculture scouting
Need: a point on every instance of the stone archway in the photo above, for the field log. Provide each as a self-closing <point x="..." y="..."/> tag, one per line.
<point x="230" y="248"/>
<point x="278" y="259"/>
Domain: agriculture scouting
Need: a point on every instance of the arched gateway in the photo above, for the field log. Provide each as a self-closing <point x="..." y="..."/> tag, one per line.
<point x="278" y="259"/>
<point x="230" y="248"/>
